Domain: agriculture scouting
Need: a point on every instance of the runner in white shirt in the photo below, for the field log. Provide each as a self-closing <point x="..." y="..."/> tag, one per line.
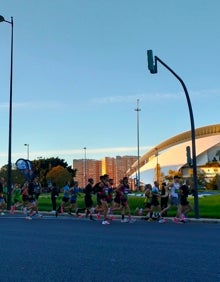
<point x="173" y="198"/>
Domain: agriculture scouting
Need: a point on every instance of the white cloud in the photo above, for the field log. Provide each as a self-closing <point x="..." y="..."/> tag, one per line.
<point x="69" y="155"/>
<point x="152" y="96"/>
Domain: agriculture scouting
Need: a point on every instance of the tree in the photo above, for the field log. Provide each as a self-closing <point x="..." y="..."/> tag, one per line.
<point x="212" y="184"/>
<point x="16" y="175"/>
<point x="43" y="166"/>
<point x="171" y="174"/>
<point x="59" y="175"/>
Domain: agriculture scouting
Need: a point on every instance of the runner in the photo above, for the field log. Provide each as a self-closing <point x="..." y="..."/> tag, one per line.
<point x="155" y="204"/>
<point x="124" y="190"/>
<point x="32" y="206"/>
<point x="173" y="198"/>
<point x="65" y="199"/>
<point x="54" y="193"/>
<point x="97" y="190"/>
<point x="88" y="198"/>
<point x="110" y="198"/>
<point x="103" y="198"/>
<point x="147" y="203"/>
<point x="16" y="195"/>
<point x="2" y="200"/>
<point x="74" y="192"/>
<point x="184" y="207"/>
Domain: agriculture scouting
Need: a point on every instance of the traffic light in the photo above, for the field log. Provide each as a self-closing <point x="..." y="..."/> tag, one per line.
<point x="188" y="155"/>
<point x="151" y="66"/>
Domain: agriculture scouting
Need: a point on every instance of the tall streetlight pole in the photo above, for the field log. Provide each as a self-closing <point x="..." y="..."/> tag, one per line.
<point x="2" y="19"/>
<point x="157" y="165"/>
<point x="138" y="147"/>
<point x="85" y="168"/>
<point x="27" y="145"/>
<point x="152" y="66"/>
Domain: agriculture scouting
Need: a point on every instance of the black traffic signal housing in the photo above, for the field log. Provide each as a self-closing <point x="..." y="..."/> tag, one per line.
<point x="188" y="155"/>
<point x="151" y="65"/>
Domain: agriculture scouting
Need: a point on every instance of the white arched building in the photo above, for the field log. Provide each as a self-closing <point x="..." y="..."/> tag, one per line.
<point x="171" y="154"/>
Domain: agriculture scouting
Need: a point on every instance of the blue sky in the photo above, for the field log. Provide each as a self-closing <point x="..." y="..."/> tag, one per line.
<point x="81" y="65"/>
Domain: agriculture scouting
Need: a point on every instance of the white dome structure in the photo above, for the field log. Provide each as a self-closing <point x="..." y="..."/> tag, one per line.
<point x="171" y="154"/>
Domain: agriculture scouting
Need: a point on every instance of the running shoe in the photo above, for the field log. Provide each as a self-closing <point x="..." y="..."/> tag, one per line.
<point x="124" y="220"/>
<point x="2" y="213"/>
<point x="12" y="211"/>
<point x="105" y="222"/>
<point x="162" y="220"/>
<point x="182" y="221"/>
<point x="183" y="217"/>
<point x="79" y="215"/>
<point x="132" y="220"/>
<point x="24" y="210"/>
<point x="150" y="219"/>
<point x="176" y="220"/>
<point x="28" y="218"/>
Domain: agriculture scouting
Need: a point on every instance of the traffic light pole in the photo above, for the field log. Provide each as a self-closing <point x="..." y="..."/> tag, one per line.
<point x="153" y="69"/>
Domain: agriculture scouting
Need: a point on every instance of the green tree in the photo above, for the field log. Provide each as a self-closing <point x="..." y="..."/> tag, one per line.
<point x="171" y="174"/>
<point x="43" y="166"/>
<point x="16" y="175"/>
<point x="212" y="184"/>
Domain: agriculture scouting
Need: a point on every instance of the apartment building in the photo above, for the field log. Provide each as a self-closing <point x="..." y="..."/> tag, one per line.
<point x="115" y="167"/>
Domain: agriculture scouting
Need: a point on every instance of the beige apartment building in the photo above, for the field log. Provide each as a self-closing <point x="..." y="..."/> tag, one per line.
<point x="89" y="168"/>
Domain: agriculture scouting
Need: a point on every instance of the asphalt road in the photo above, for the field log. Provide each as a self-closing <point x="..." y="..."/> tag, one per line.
<point x="70" y="249"/>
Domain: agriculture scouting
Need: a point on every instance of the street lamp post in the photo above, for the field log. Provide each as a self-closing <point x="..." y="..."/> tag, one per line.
<point x="157" y="165"/>
<point x="152" y="66"/>
<point x="138" y="147"/>
<point x="27" y="145"/>
<point x="85" y="168"/>
<point x="2" y="19"/>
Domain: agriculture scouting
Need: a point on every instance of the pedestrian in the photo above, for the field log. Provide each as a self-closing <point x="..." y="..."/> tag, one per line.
<point x="16" y="196"/>
<point x="88" y="198"/>
<point x="74" y="192"/>
<point x="155" y="203"/>
<point x="164" y="197"/>
<point x="32" y="206"/>
<point x="65" y="199"/>
<point x="184" y="206"/>
<point x="110" y="201"/>
<point x="147" y="203"/>
<point x="173" y="197"/>
<point x="97" y="190"/>
<point x="124" y="190"/>
<point x="54" y="195"/>
<point x="2" y="199"/>
<point x="117" y="197"/>
<point x="104" y="198"/>
<point x="37" y="188"/>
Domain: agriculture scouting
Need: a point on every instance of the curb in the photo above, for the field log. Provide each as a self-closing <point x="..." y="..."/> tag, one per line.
<point x="194" y="220"/>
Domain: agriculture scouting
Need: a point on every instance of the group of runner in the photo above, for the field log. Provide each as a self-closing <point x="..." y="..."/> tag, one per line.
<point x="158" y="201"/>
<point x="108" y="200"/>
<point x="25" y="197"/>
